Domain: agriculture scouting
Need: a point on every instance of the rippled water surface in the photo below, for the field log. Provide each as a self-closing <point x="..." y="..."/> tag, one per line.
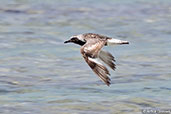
<point x="39" y="74"/>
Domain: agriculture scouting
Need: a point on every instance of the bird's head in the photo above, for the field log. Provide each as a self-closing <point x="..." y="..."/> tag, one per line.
<point x="72" y="39"/>
<point x="76" y="40"/>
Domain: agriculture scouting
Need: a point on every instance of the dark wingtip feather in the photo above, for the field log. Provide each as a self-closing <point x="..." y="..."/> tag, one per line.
<point x="108" y="83"/>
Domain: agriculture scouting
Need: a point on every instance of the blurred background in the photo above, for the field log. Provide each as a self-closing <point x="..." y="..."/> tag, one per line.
<point x="41" y="75"/>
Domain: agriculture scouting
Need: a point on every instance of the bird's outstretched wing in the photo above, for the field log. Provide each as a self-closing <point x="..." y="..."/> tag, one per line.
<point x="107" y="58"/>
<point x="90" y="52"/>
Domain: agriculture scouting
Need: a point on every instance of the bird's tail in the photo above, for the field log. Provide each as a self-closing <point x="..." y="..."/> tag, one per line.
<point x="116" y="42"/>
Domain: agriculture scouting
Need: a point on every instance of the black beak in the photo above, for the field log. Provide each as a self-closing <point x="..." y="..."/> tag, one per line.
<point x="67" y="41"/>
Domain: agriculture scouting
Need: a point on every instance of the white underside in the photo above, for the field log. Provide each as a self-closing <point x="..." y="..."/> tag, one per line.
<point x="95" y="60"/>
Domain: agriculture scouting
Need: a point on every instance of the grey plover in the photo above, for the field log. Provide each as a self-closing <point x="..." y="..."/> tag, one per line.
<point x="91" y="45"/>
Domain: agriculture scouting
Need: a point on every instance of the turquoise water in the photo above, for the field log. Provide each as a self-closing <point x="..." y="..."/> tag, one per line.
<point x="39" y="74"/>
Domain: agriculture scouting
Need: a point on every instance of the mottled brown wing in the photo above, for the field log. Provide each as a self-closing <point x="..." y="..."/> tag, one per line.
<point x="90" y="54"/>
<point x="99" y="69"/>
<point x="95" y="36"/>
<point x="93" y="47"/>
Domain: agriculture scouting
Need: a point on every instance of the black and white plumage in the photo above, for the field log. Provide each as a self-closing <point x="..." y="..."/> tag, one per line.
<point x="91" y="45"/>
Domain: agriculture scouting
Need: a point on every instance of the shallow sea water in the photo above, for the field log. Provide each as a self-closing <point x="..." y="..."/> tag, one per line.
<point x="41" y="75"/>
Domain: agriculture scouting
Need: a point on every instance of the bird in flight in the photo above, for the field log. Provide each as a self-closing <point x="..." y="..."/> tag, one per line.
<point x="91" y="50"/>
